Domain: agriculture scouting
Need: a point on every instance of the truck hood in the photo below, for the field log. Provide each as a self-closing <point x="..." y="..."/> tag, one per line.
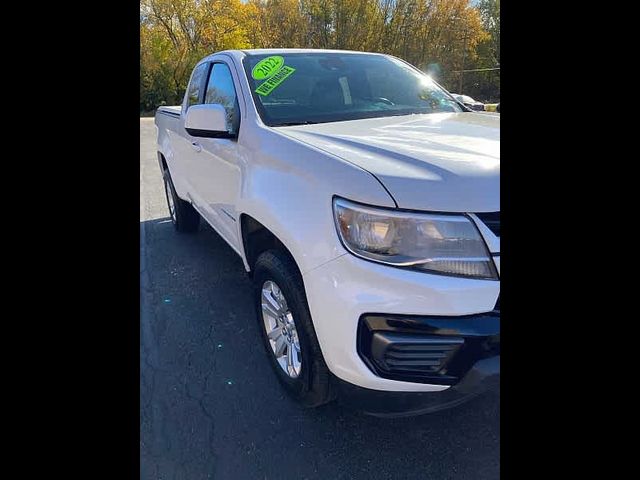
<point x="447" y="162"/>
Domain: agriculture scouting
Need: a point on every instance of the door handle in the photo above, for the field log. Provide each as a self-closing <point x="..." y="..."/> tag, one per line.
<point x="196" y="146"/>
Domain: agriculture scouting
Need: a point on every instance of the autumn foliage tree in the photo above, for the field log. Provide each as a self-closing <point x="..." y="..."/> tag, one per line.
<point x="442" y="36"/>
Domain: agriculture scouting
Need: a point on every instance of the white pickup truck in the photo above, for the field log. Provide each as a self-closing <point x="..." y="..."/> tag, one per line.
<point x="364" y="201"/>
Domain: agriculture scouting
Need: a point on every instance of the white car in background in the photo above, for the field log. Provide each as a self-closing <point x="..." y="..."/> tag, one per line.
<point x="469" y="102"/>
<point x="365" y="205"/>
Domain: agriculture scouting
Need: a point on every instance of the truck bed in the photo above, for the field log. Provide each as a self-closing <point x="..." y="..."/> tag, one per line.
<point x="167" y="120"/>
<point x="174" y="110"/>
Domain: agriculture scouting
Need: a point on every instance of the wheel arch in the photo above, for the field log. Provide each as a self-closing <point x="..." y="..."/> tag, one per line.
<point x="258" y="238"/>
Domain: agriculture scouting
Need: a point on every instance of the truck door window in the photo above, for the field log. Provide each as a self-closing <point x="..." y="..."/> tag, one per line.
<point x="195" y="86"/>
<point x="220" y="90"/>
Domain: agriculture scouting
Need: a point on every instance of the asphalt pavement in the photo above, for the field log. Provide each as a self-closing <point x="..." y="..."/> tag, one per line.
<point x="210" y="406"/>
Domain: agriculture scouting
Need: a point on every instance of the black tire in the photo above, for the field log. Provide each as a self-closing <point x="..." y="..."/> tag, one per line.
<point x="185" y="218"/>
<point x="312" y="387"/>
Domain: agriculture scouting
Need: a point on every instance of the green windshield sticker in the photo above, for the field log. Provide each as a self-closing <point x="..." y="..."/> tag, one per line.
<point x="267" y="67"/>
<point x="269" y="85"/>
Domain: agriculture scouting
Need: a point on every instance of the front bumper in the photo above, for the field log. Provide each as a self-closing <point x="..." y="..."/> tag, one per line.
<point x="344" y="290"/>
<point x="484" y="375"/>
<point x="461" y="352"/>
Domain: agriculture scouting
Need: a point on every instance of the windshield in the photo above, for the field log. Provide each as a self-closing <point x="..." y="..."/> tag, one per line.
<point x="299" y="88"/>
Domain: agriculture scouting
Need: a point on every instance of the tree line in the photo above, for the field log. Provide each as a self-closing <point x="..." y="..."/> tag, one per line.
<point x="441" y="37"/>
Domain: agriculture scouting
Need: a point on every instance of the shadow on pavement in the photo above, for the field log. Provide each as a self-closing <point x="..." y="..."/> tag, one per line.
<point x="211" y="407"/>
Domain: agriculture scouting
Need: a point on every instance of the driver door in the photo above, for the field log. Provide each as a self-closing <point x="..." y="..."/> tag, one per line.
<point x="215" y="173"/>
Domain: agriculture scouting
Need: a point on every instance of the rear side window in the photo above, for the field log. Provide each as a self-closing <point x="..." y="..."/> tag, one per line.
<point x="195" y="86"/>
<point x="220" y="90"/>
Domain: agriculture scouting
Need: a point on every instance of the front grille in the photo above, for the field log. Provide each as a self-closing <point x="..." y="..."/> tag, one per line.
<point x="408" y="354"/>
<point x="491" y="220"/>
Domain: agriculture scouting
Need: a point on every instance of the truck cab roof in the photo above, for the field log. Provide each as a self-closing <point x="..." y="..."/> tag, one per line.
<point x="239" y="54"/>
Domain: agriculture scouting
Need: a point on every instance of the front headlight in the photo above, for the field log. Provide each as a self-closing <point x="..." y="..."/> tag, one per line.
<point x="448" y="244"/>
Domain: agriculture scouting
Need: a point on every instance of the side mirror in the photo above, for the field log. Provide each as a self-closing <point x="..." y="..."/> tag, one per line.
<point x="207" y="120"/>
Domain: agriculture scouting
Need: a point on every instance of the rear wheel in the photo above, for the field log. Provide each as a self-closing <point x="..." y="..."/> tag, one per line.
<point x="184" y="217"/>
<point x="287" y="329"/>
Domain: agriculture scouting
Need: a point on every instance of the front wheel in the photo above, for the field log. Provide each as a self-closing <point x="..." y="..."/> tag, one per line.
<point x="287" y="329"/>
